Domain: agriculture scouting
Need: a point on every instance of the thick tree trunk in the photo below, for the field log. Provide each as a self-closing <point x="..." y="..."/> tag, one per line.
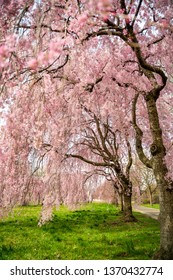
<point x="128" y="215"/>
<point x="166" y="188"/>
<point x="166" y="216"/>
<point x="158" y="165"/>
<point x="166" y="225"/>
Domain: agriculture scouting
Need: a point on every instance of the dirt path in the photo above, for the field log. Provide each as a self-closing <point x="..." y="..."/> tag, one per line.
<point x="153" y="213"/>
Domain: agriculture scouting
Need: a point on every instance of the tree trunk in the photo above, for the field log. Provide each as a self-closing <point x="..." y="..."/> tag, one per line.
<point x="121" y="202"/>
<point x="157" y="149"/>
<point x="166" y="225"/>
<point x="128" y="215"/>
<point x="138" y="192"/>
<point x="166" y="215"/>
<point x="116" y="201"/>
<point x="158" y="165"/>
<point x="150" y="197"/>
<point x="166" y="188"/>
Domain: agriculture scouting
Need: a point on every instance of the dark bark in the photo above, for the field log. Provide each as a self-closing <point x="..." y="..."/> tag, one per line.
<point x="128" y="215"/>
<point x="127" y="195"/>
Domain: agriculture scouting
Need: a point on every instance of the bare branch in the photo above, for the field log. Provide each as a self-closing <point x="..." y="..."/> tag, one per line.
<point x="156" y="41"/>
<point x="79" y="6"/>
<point x="137" y="12"/>
<point x="89" y="161"/>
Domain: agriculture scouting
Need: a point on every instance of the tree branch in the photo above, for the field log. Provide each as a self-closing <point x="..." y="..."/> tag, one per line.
<point x="129" y="164"/>
<point x="139" y="135"/>
<point x="89" y="161"/>
<point x="137" y="12"/>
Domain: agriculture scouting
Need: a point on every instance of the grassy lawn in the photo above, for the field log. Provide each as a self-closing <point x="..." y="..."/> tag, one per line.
<point x="95" y="231"/>
<point x="156" y="206"/>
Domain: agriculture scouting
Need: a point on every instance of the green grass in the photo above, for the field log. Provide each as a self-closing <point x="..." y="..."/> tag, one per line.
<point x="95" y="231"/>
<point x="155" y="206"/>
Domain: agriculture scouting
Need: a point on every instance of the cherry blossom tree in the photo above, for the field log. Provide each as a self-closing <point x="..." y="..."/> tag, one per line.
<point x="101" y="148"/>
<point x="144" y="28"/>
<point x="55" y="54"/>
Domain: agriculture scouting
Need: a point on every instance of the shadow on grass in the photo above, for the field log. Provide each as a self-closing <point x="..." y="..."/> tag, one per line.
<point x="96" y="232"/>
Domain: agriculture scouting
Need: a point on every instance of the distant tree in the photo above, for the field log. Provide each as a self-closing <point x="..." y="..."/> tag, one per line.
<point x="111" y="180"/>
<point x="106" y="193"/>
<point x="101" y="149"/>
<point x="143" y="180"/>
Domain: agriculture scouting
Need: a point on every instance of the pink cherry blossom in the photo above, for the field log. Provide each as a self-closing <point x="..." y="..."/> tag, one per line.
<point x="60" y="63"/>
<point x="32" y="63"/>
